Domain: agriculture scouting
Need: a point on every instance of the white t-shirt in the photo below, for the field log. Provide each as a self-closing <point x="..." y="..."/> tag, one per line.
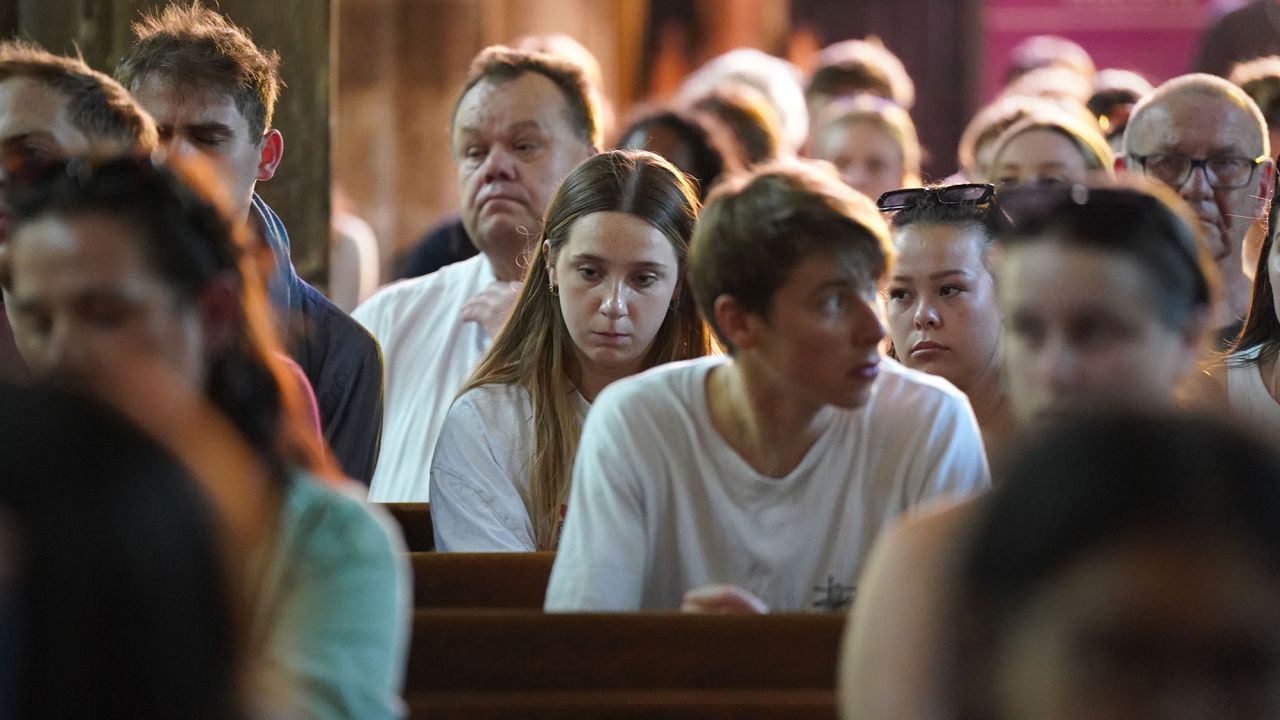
<point x="427" y="353"/>
<point x="480" y="471"/>
<point x="661" y="504"/>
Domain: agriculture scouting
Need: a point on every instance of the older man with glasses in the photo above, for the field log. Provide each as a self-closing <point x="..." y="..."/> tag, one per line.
<point x="1206" y="138"/>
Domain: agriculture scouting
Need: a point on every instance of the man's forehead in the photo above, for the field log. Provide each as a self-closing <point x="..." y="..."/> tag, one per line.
<point x="530" y="97"/>
<point x="31" y="108"/>
<point x="1197" y="122"/>
<point x="173" y="101"/>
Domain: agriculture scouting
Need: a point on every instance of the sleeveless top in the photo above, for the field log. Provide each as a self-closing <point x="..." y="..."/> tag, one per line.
<point x="1248" y="396"/>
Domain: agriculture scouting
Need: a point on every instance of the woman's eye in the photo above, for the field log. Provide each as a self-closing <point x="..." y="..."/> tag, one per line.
<point x="588" y="273"/>
<point x="899" y="294"/>
<point x="949" y="290"/>
<point x="645" y="281"/>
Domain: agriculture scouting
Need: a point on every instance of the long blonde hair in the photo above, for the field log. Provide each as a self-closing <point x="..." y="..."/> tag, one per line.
<point x="534" y="349"/>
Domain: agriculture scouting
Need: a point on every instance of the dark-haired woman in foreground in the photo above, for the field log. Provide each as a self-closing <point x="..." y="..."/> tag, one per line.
<point x="119" y="265"/>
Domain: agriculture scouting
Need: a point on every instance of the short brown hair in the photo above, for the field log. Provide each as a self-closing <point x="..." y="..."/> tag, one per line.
<point x="198" y="47"/>
<point x="757" y="226"/>
<point x="99" y="107"/>
<point x="497" y="64"/>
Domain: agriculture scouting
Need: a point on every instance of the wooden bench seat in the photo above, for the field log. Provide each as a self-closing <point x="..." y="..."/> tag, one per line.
<point x="511" y="663"/>
<point x="480" y="580"/>
<point x="414" y="520"/>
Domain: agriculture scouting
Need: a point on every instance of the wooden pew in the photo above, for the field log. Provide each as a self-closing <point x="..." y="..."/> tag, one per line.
<point x="480" y="580"/>
<point x="415" y="522"/>
<point x="509" y="664"/>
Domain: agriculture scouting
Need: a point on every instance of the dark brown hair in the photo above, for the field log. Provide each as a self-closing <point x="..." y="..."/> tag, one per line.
<point x="97" y="105"/>
<point x="756" y="227"/>
<point x="199" y="48"/>
<point x="498" y="64"/>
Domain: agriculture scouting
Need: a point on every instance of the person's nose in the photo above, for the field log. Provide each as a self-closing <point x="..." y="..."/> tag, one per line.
<point x="614" y="303"/>
<point x="927" y="315"/>
<point x="1196" y="187"/>
<point x="64" y="353"/>
<point x="1058" y="366"/>
<point x="499" y="165"/>
<point x="868" y="325"/>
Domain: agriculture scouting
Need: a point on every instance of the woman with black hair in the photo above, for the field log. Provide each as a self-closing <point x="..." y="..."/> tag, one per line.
<point x="121" y="264"/>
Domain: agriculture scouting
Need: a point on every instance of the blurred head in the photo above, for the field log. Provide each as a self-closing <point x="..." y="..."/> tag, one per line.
<point x="986" y="125"/>
<point x="1206" y="139"/>
<point x="1126" y="567"/>
<point x="741" y="113"/>
<point x="941" y="299"/>
<point x="786" y="265"/>
<point x="120" y="261"/>
<point x="110" y="563"/>
<point x="1114" y="94"/>
<point x="1061" y="86"/>
<point x="1049" y="149"/>
<point x="1105" y="294"/>
<point x="57" y="107"/>
<point x="604" y="296"/>
<point x="212" y="92"/>
<point x="777" y="81"/>
<point x="855" y="67"/>
<point x="1260" y="79"/>
<point x="521" y="123"/>
<point x="683" y="140"/>
<point x="1042" y="51"/>
<point x="871" y="141"/>
<point x="568" y="47"/>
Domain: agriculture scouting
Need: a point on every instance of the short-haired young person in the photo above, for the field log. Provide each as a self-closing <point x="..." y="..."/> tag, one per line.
<point x="520" y="124"/>
<point x="212" y="91"/>
<point x="55" y="107"/>
<point x="759" y="480"/>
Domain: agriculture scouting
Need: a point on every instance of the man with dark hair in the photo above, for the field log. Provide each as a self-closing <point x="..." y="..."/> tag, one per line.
<point x="57" y="107"/>
<point x="759" y="480"/>
<point x="520" y="124"/>
<point x="213" y="92"/>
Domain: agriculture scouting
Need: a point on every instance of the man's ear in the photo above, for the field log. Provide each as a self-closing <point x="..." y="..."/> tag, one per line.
<point x="742" y="328"/>
<point x="219" y="302"/>
<point x="271" y="154"/>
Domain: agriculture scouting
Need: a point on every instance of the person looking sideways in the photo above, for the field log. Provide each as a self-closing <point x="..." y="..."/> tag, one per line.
<point x="605" y="297"/>
<point x="1125" y="567"/>
<point x="213" y="93"/>
<point x="941" y="298"/>
<point x="1106" y="294"/>
<point x="757" y="480"/>
<point x="1248" y="376"/>
<point x="1206" y="138"/>
<point x="119" y="264"/>
<point x="1050" y="148"/>
<point x="521" y="123"/>
<point x="871" y="141"/>
<point x="54" y="107"/>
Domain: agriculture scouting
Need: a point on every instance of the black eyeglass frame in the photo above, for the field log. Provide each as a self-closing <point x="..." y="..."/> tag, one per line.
<point x="1203" y="164"/>
<point x="946" y="195"/>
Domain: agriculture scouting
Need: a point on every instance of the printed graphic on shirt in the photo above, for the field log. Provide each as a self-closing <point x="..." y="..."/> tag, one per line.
<point x="834" y="597"/>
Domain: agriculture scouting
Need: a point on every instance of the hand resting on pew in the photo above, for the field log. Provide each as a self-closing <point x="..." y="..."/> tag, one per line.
<point x="723" y="599"/>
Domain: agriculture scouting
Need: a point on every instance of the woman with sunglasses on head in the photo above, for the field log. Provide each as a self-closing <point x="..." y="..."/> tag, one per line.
<point x="941" y="299"/>
<point x="1050" y="147"/>
<point x="1106" y="294"/>
<point x="119" y="270"/>
<point x="605" y="297"/>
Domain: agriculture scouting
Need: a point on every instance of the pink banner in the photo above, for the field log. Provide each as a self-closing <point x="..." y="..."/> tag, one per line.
<point x="1156" y="38"/>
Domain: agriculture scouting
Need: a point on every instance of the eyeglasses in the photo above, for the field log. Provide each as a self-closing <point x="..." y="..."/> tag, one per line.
<point x="976" y="193"/>
<point x="1223" y="173"/>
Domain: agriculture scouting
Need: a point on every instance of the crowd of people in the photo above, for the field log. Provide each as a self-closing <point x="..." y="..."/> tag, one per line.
<point x="1022" y="423"/>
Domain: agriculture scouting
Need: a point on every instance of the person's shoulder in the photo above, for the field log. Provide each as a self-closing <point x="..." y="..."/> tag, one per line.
<point x="657" y="386"/>
<point x="346" y="332"/>
<point x="333" y="518"/>
<point x="498" y="404"/>
<point x="394" y="300"/>
<point x="899" y="385"/>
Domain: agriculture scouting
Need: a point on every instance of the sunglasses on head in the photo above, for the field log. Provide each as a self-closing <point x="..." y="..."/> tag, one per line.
<point x="966" y="193"/>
